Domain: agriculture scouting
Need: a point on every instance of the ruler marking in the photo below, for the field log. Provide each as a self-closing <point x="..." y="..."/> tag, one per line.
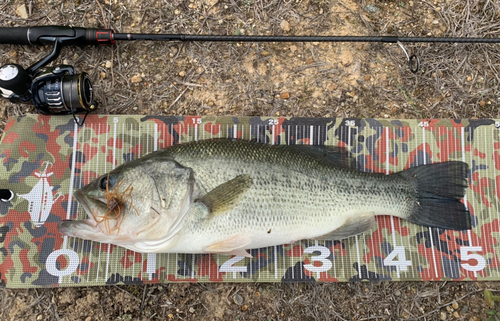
<point x="387" y="172"/>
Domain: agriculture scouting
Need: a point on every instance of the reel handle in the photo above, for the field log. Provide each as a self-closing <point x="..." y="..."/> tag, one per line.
<point x="45" y="35"/>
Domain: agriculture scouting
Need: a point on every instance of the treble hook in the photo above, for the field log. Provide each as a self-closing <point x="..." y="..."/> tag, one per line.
<point x="411" y="59"/>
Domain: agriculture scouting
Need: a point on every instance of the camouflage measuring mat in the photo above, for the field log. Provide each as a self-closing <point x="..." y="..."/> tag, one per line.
<point x="44" y="159"/>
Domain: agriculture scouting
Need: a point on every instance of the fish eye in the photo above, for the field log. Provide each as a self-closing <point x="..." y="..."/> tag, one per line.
<point x="105" y="183"/>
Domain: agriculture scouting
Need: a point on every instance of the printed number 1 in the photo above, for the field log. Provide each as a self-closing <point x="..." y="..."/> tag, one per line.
<point x="196" y="120"/>
<point x="398" y="251"/>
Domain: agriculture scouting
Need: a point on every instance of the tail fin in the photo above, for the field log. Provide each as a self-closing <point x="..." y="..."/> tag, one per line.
<point x="441" y="186"/>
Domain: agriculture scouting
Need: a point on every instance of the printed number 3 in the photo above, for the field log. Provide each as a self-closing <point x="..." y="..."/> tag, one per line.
<point x="325" y="263"/>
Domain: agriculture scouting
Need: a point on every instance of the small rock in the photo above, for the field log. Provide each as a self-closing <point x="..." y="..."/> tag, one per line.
<point x="244" y="308"/>
<point x="238" y="299"/>
<point x="127" y="317"/>
<point x="442" y="315"/>
<point x="455" y="305"/>
<point x="293" y="48"/>
<point x="354" y="99"/>
<point x="465" y="308"/>
<point x="39" y="317"/>
<point x="22" y="12"/>
<point x="265" y="53"/>
<point x="108" y="64"/>
<point x="182" y="73"/>
<point x="285" y="95"/>
<point x="436" y="22"/>
<point x="469" y="78"/>
<point x="332" y="87"/>
<point x="177" y="12"/>
<point x="309" y="61"/>
<point x="456" y="315"/>
<point x="482" y="103"/>
<point x="285" y="25"/>
<point x="371" y="8"/>
<point x="103" y="75"/>
<point x="88" y="319"/>
<point x="12" y="54"/>
<point x="191" y="309"/>
<point x="367" y="77"/>
<point x="136" y="79"/>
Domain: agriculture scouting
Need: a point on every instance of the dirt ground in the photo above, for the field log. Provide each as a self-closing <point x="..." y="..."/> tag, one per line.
<point x="270" y="79"/>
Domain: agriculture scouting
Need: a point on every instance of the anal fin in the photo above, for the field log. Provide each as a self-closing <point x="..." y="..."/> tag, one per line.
<point x="353" y="226"/>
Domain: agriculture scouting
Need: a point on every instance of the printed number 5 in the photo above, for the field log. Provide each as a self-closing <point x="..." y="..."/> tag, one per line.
<point x="466" y="256"/>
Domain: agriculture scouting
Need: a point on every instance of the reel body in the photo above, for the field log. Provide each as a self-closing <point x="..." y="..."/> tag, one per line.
<point x="53" y="91"/>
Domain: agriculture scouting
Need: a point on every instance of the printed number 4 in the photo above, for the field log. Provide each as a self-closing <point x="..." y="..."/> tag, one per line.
<point x="398" y="251"/>
<point x="466" y="256"/>
<point x="423" y="124"/>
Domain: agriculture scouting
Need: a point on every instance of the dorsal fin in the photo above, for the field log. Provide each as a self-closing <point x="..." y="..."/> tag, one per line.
<point x="339" y="156"/>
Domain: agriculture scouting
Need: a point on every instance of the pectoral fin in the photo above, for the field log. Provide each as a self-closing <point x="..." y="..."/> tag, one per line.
<point x="225" y="196"/>
<point x="353" y="226"/>
<point x="232" y="246"/>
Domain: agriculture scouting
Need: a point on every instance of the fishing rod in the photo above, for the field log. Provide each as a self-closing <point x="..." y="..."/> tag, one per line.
<point x="58" y="90"/>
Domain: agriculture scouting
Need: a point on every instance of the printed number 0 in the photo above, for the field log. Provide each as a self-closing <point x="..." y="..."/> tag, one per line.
<point x="228" y="265"/>
<point x="398" y="251"/>
<point x="466" y="256"/>
<point x="325" y="264"/>
<point x="50" y="263"/>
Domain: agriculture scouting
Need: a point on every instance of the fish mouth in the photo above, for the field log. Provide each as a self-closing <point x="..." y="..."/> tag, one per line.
<point x="79" y="227"/>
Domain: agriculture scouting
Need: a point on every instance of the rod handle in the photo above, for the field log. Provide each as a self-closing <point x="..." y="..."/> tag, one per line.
<point x="44" y="35"/>
<point x="14" y="36"/>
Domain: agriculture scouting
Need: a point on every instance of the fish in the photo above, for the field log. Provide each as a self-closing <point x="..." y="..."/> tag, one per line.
<point x="227" y="196"/>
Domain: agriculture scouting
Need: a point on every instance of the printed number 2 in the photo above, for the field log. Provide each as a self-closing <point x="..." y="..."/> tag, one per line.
<point x="398" y="251"/>
<point x="228" y="266"/>
<point x="466" y="256"/>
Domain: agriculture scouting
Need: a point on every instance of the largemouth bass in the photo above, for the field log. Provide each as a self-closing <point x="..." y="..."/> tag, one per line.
<point x="225" y="196"/>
